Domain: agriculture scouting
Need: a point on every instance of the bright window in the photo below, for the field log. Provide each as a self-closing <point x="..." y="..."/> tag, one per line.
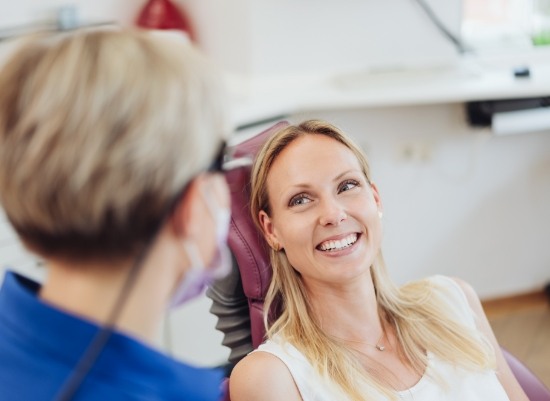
<point x="503" y="24"/>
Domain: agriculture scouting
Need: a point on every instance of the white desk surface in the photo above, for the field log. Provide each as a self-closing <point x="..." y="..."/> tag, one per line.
<point x="473" y="78"/>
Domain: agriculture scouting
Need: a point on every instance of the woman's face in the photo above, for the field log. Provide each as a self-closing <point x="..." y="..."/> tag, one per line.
<point x="324" y="213"/>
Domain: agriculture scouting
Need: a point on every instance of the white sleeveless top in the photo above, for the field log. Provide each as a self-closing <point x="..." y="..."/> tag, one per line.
<point x="462" y="385"/>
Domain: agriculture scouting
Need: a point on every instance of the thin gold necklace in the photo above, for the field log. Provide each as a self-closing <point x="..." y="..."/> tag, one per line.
<point x="379" y="346"/>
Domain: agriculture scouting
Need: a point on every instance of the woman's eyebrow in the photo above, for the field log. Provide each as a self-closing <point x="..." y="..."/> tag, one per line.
<point x="299" y="186"/>
<point x="306" y="185"/>
<point x="352" y="170"/>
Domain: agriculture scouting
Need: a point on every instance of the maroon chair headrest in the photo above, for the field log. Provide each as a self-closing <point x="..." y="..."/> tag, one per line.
<point x="245" y="241"/>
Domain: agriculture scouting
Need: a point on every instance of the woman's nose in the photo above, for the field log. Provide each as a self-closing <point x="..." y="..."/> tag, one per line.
<point x="332" y="213"/>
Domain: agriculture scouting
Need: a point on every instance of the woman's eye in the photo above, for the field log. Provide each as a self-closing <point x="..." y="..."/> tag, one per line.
<point x="347" y="185"/>
<point x="299" y="200"/>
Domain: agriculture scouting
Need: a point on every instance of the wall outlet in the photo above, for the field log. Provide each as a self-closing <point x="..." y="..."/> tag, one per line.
<point x="415" y="151"/>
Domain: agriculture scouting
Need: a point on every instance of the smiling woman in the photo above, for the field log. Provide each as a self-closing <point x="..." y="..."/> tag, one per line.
<point x="328" y="210"/>
<point x="345" y="331"/>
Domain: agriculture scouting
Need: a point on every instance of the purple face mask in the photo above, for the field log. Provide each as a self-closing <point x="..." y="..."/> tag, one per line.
<point x="199" y="276"/>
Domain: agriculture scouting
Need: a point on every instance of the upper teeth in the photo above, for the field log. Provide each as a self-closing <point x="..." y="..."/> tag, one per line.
<point x="340" y="244"/>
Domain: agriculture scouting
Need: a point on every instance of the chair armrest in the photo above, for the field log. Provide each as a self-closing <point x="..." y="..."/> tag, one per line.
<point x="529" y="382"/>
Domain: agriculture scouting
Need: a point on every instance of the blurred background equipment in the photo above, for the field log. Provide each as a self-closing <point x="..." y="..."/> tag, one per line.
<point x="165" y="15"/>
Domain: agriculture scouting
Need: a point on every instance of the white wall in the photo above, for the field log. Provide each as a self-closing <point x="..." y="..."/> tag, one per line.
<point x="270" y="38"/>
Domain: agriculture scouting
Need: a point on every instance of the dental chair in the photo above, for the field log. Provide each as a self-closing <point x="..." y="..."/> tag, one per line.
<point x="238" y="299"/>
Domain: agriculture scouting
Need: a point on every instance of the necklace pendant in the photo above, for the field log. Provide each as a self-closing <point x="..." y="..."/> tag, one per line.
<point x="380" y="347"/>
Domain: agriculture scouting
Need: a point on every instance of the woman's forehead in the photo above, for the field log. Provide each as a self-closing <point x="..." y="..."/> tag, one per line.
<point x="311" y="158"/>
<point x="311" y="148"/>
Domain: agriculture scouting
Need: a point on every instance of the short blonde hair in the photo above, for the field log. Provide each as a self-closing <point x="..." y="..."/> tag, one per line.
<point x="99" y="131"/>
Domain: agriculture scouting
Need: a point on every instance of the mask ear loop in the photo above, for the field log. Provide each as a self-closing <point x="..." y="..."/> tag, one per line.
<point x="219" y="215"/>
<point x="195" y="261"/>
<point x="212" y="209"/>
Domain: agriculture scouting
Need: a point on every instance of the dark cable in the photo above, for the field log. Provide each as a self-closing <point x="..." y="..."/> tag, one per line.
<point x="90" y="355"/>
<point x="441" y="27"/>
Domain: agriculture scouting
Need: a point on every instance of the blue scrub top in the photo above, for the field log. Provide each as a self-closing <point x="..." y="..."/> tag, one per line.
<point x="40" y="346"/>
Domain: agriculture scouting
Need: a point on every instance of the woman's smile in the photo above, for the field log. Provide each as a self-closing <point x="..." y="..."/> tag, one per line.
<point x="339" y="243"/>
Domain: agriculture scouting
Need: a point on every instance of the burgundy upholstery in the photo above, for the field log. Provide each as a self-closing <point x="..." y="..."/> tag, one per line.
<point x="246" y="243"/>
<point x="251" y="254"/>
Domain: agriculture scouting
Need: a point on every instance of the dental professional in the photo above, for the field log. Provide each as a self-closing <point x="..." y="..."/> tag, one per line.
<point x="110" y="152"/>
<point x="345" y="331"/>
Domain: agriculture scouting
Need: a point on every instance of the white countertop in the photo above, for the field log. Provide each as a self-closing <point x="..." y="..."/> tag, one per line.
<point x="473" y="78"/>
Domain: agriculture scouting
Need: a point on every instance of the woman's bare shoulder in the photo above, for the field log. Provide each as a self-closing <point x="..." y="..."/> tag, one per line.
<point x="261" y="376"/>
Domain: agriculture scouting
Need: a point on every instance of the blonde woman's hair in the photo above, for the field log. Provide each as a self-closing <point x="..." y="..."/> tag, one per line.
<point x="419" y="312"/>
<point x="99" y="131"/>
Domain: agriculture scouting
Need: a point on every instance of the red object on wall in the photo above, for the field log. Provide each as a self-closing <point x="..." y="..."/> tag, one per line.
<point x="163" y="14"/>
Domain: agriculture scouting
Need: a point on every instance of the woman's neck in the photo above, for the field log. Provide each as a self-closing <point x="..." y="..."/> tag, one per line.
<point x="91" y="290"/>
<point x="350" y="312"/>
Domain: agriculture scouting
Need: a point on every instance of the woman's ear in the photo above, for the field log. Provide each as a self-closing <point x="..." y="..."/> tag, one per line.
<point x="377" y="198"/>
<point x="268" y="230"/>
<point x="182" y="220"/>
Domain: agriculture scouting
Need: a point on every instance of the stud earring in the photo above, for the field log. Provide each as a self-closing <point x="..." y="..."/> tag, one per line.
<point x="380" y="214"/>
